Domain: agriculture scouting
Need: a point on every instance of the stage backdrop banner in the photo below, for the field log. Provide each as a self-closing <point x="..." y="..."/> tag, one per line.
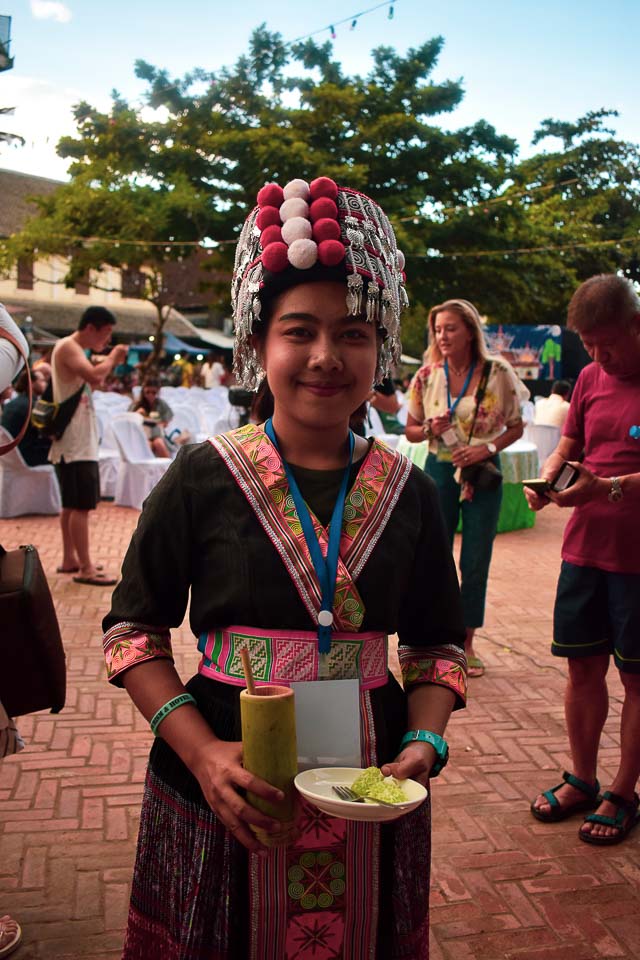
<point x="535" y="353"/>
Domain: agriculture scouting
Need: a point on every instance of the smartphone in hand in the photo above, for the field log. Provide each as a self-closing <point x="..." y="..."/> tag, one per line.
<point x="563" y="479"/>
<point x="538" y="485"/>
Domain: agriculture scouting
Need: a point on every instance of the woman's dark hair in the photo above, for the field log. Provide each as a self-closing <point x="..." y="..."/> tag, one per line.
<point x="148" y="382"/>
<point x="263" y="405"/>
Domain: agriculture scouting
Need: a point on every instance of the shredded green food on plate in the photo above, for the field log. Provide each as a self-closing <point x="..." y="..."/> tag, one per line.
<point x="372" y="784"/>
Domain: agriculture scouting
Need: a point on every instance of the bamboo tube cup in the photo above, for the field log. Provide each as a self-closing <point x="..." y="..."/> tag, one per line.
<point x="270" y="751"/>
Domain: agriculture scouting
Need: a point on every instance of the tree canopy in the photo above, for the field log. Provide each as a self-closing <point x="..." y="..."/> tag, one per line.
<point x="185" y="168"/>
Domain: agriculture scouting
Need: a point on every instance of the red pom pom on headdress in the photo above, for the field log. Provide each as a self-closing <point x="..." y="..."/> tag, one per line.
<point x="325" y="229"/>
<point x="323" y="187"/>
<point x="274" y="257"/>
<point x="321" y="208"/>
<point x="272" y="234"/>
<point x="271" y="195"/>
<point x="268" y="217"/>
<point x="331" y="253"/>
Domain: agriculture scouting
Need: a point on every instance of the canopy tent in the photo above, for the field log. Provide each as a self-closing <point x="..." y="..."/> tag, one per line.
<point x="172" y="344"/>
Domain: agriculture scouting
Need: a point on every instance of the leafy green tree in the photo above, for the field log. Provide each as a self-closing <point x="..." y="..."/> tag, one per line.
<point x="567" y="209"/>
<point x="189" y="174"/>
<point x="192" y="172"/>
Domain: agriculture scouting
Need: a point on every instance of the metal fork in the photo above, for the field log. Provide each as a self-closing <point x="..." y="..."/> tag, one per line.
<point x="346" y="793"/>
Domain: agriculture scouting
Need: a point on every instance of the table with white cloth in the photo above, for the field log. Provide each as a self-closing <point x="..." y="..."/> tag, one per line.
<point x="518" y="462"/>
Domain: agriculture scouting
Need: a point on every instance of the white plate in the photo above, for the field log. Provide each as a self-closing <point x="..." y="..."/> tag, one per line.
<point x="315" y="786"/>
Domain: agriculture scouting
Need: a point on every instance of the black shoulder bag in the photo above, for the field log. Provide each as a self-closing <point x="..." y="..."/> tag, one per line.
<point x="52" y="419"/>
<point x="485" y="475"/>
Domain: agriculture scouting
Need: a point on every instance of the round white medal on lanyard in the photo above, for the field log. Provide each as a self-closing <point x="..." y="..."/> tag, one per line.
<point x="325" y="618"/>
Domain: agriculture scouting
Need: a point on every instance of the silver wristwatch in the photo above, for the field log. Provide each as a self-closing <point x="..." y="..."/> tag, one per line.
<point x="491" y="447"/>
<point x="615" y="494"/>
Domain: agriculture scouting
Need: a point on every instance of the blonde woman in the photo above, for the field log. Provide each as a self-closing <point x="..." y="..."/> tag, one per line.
<point x="467" y="405"/>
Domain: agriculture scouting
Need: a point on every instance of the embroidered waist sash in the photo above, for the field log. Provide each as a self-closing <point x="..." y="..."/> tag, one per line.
<point x="287" y="656"/>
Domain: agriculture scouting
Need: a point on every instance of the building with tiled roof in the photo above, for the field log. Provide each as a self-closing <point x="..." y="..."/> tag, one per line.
<point x="36" y="289"/>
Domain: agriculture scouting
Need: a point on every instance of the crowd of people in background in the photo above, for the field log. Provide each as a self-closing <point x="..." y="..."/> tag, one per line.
<point x="467" y="406"/>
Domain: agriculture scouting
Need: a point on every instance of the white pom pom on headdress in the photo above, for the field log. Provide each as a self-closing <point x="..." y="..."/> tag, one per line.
<point x="303" y="254"/>
<point x="295" y="207"/>
<point x="297" y="228"/>
<point x="297" y="188"/>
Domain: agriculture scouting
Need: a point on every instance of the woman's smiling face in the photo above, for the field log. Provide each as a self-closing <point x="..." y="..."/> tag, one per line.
<point x="320" y="362"/>
<point x="452" y="335"/>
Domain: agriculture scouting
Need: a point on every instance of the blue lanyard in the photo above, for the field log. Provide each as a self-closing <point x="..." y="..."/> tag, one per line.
<point x="326" y="567"/>
<point x="452" y="407"/>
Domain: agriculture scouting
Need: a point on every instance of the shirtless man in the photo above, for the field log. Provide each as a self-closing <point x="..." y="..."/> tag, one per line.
<point x="75" y="454"/>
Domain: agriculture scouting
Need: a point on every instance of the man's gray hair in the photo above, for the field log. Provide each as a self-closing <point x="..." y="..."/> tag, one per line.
<point x="606" y="300"/>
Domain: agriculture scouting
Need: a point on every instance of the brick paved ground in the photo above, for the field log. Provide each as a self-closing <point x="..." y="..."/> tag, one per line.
<point x="504" y="885"/>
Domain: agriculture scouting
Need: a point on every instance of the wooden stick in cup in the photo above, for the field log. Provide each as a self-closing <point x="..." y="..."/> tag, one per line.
<point x="248" y="673"/>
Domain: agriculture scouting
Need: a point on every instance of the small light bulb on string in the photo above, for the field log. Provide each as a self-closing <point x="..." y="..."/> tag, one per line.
<point x="390" y="14"/>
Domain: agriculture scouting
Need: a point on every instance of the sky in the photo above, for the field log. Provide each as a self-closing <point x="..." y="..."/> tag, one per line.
<point x="520" y="62"/>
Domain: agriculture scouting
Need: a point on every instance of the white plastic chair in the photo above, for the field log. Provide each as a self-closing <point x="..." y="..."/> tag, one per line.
<point x="185" y="417"/>
<point x="25" y="489"/>
<point x="228" y="419"/>
<point x="138" y="471"/>
<point x="528" y="411"/>
<point x="546" y="439"/>
<point x="217" y="396"/>
<point x="208" y="417"/>
<point x="110" y="401"/>
<point x="375" y="428"/>
<point x="108" y="455"/>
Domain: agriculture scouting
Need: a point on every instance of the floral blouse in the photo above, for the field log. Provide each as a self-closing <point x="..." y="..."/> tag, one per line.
<point x="500" y="408"/>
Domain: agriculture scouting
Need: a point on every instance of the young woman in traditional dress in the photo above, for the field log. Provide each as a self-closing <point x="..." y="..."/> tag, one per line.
<point x="317" y="293"/>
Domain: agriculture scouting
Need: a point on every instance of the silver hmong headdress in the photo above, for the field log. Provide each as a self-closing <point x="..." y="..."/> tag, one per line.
<point x="309" y="230"/>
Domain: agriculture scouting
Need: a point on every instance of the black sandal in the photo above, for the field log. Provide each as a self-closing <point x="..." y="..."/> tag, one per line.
<point x="626" y="808"/>
<point x="559" y="812"/>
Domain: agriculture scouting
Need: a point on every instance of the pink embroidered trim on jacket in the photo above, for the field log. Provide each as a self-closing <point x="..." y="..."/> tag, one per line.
<point x="257" y="468"/>
<point x="128" y="644"/>
<point x="289" y="656"/>
<point x="445" y="666"/>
